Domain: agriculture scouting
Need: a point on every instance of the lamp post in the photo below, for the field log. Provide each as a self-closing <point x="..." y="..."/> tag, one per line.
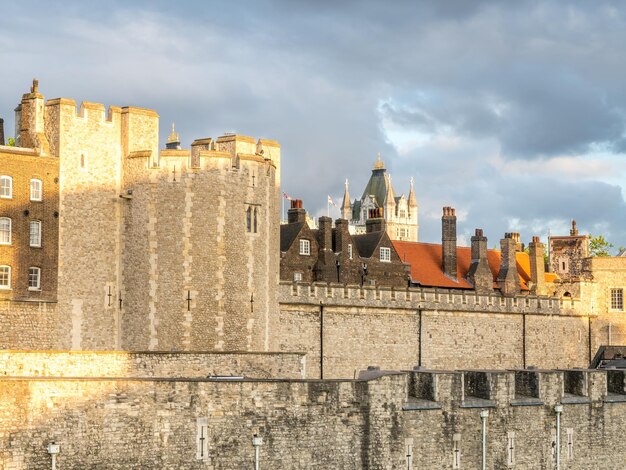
<point x="483" y="417"/>
<point x="53" y="450"/>
<point x="256" y="442"/>
<point x="558" y="409"/>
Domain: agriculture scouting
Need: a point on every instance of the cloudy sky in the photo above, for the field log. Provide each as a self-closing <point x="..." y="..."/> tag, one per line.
<point x="512" y="112"/>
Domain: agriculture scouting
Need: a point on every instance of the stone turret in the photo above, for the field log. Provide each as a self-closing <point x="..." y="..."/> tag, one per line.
<point x="537" y="267"/>
<point x="508" y="279"/>
<point x="448" y="242"/>
<point x="31" y="124"/>
<point x="346" y="209"/>
<point x="574" y="230"/>
<point x="479" y="273"/>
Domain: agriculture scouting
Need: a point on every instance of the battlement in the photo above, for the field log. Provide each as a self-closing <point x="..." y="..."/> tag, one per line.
<point x="426" y="298"/>
<point x="93" y="110"/>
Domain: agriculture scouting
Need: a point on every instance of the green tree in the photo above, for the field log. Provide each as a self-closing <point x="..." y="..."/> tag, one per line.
<point x="598" y="246"/>
<point x="11" y="142"/>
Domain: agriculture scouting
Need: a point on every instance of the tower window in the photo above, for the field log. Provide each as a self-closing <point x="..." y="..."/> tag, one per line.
<point x="35" y="233"/>
<point x="35" y="190"/>
<point x="249" y="219"/>
<point x="34" y="278"/>
<point x="255" y="219"/>
<point x="305" y="247"/>
<point x="5" y="277"/>
<point x="385" y="254"/>
<point x="5" y="231"/>
<point x="6" y="187"/>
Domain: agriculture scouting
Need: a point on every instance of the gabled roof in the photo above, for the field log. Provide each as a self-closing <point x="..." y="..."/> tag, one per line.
<point x="288" y="233"/>
<point x="426" y="265"/>
<point x="366" y="243"/>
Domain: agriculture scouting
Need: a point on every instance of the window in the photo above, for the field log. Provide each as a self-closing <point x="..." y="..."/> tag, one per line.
<point x="297" y="277"/>
<point x="35" y="233"/>
<point x="5" y="277"/>
<point x="34" y="278"/>
<point x="403" y="214"/>
<point x="617" y="299"/>
<point x="305" y="247"/>
<point x="249" y="219"/>
<point x="5" y="231"/>
<point x="350" y="251"/>
<point x="35" y="190"/>
<point x="385" y="254"/>
<point x="6" y="187"/>
<point x="255" y="218"/>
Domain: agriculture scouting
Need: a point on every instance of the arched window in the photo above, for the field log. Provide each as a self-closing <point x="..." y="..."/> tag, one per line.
<point x="255" y="219"/>
<point x="5" y="231"/>
<point x="249" y="219"/>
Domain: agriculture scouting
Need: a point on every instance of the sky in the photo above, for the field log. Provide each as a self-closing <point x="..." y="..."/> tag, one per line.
<point x="514" y="113"/>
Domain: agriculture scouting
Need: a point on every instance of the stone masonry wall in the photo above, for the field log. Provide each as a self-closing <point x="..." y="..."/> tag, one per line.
<point x="143" y="364"/>
<point x="418" y="420"/>
<point x="383" y="327"/>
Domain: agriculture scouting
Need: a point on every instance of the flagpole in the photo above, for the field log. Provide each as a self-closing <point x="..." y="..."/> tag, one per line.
<point x="282" y="209"/>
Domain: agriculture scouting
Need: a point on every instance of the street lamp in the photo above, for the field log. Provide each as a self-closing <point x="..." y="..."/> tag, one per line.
<point x="256" y="442"/>
<point x="53" y="450"/>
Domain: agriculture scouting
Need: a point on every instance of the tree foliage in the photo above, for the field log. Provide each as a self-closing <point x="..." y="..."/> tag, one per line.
<point x="11" y="142"/>
<point x="599" y="246"/>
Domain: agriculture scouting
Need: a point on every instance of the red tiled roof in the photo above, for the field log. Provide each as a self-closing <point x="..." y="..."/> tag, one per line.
<point x="426" y="261"/>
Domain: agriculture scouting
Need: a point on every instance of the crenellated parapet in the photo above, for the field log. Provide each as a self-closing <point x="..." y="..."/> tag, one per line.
<point x="424" y="298"/>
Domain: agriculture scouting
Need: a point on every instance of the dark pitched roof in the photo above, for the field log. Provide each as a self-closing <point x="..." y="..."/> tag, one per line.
<point x="288" y="233"/>
<point x="366" y="243"/>
<point x="377" y="187"/>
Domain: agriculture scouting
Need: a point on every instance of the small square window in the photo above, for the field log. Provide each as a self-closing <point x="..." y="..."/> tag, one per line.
<point x="35" y="190"/>
<point x="34" y="278"/>
<point x="5" y="277"/>
<point x="385" y="254"/>
<point x="617" y="299"/>
<point x="305" y="247"/>
<point x="35" y="233"/>
<point x="6" y="187"/>
<point x="297" y="277"/>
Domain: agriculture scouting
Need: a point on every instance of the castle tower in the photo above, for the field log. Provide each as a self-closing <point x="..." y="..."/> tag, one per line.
<point x="400" y="213"/>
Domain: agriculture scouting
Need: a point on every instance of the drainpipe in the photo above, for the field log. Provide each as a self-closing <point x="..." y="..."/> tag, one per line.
<point x="53" y="450"/>
<point x="256" y="442"/>
<point x="419" y="336"/>
<point x="558" y="409"/>
<point x="321" y="341"/>
<point x="483" y="418"/>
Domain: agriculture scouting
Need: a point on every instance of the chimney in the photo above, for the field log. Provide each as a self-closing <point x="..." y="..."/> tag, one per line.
<point x="1" y="131"/>
<point x="296" y="213"/>
<point x="508" y="279"/>
<point x="519" y="246"/>
<point x="537" y="267"/>
<point x="325" y="233"/>
<point x="375" y="221"/>
<point x="479" y="273"/>
<point x="342" y="235"/>
<point x="448" y="241"/>
<point x="574" y="231"/>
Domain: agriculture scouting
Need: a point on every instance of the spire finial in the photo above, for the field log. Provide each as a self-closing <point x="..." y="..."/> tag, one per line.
<point x="346" y="183"/>
<point x="411" y="182"/>
<point x="379" y="165"/>
<point x="173" y="137"/>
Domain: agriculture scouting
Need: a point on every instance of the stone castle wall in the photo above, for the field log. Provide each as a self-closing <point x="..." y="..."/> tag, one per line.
<point x="434" y="328"/>
<point x="151" y="364"/>
<point x="405" y="420"/>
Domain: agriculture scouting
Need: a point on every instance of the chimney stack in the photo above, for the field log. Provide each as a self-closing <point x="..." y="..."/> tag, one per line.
<point x="375" y="221"/>
<point x="508" y="278"/>
<point x="1" y="131"/>
<point x="448" y="242"/>
<point x="519" y="246"/>
<point x="325" y="233"/>
<point x="479" y="273"/>
<point x="326" y="267"/>
<point x="537" y="267"/>
<point x="296" y="213"/>
<point x="574" y="231"/>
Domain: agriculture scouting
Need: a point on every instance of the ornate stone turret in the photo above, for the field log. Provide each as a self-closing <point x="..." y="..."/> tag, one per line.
<point x="390" y="200"/>
<point x="508" y="279"/>
<point x="346" y="210"/>
<point x="412" y="199"/>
